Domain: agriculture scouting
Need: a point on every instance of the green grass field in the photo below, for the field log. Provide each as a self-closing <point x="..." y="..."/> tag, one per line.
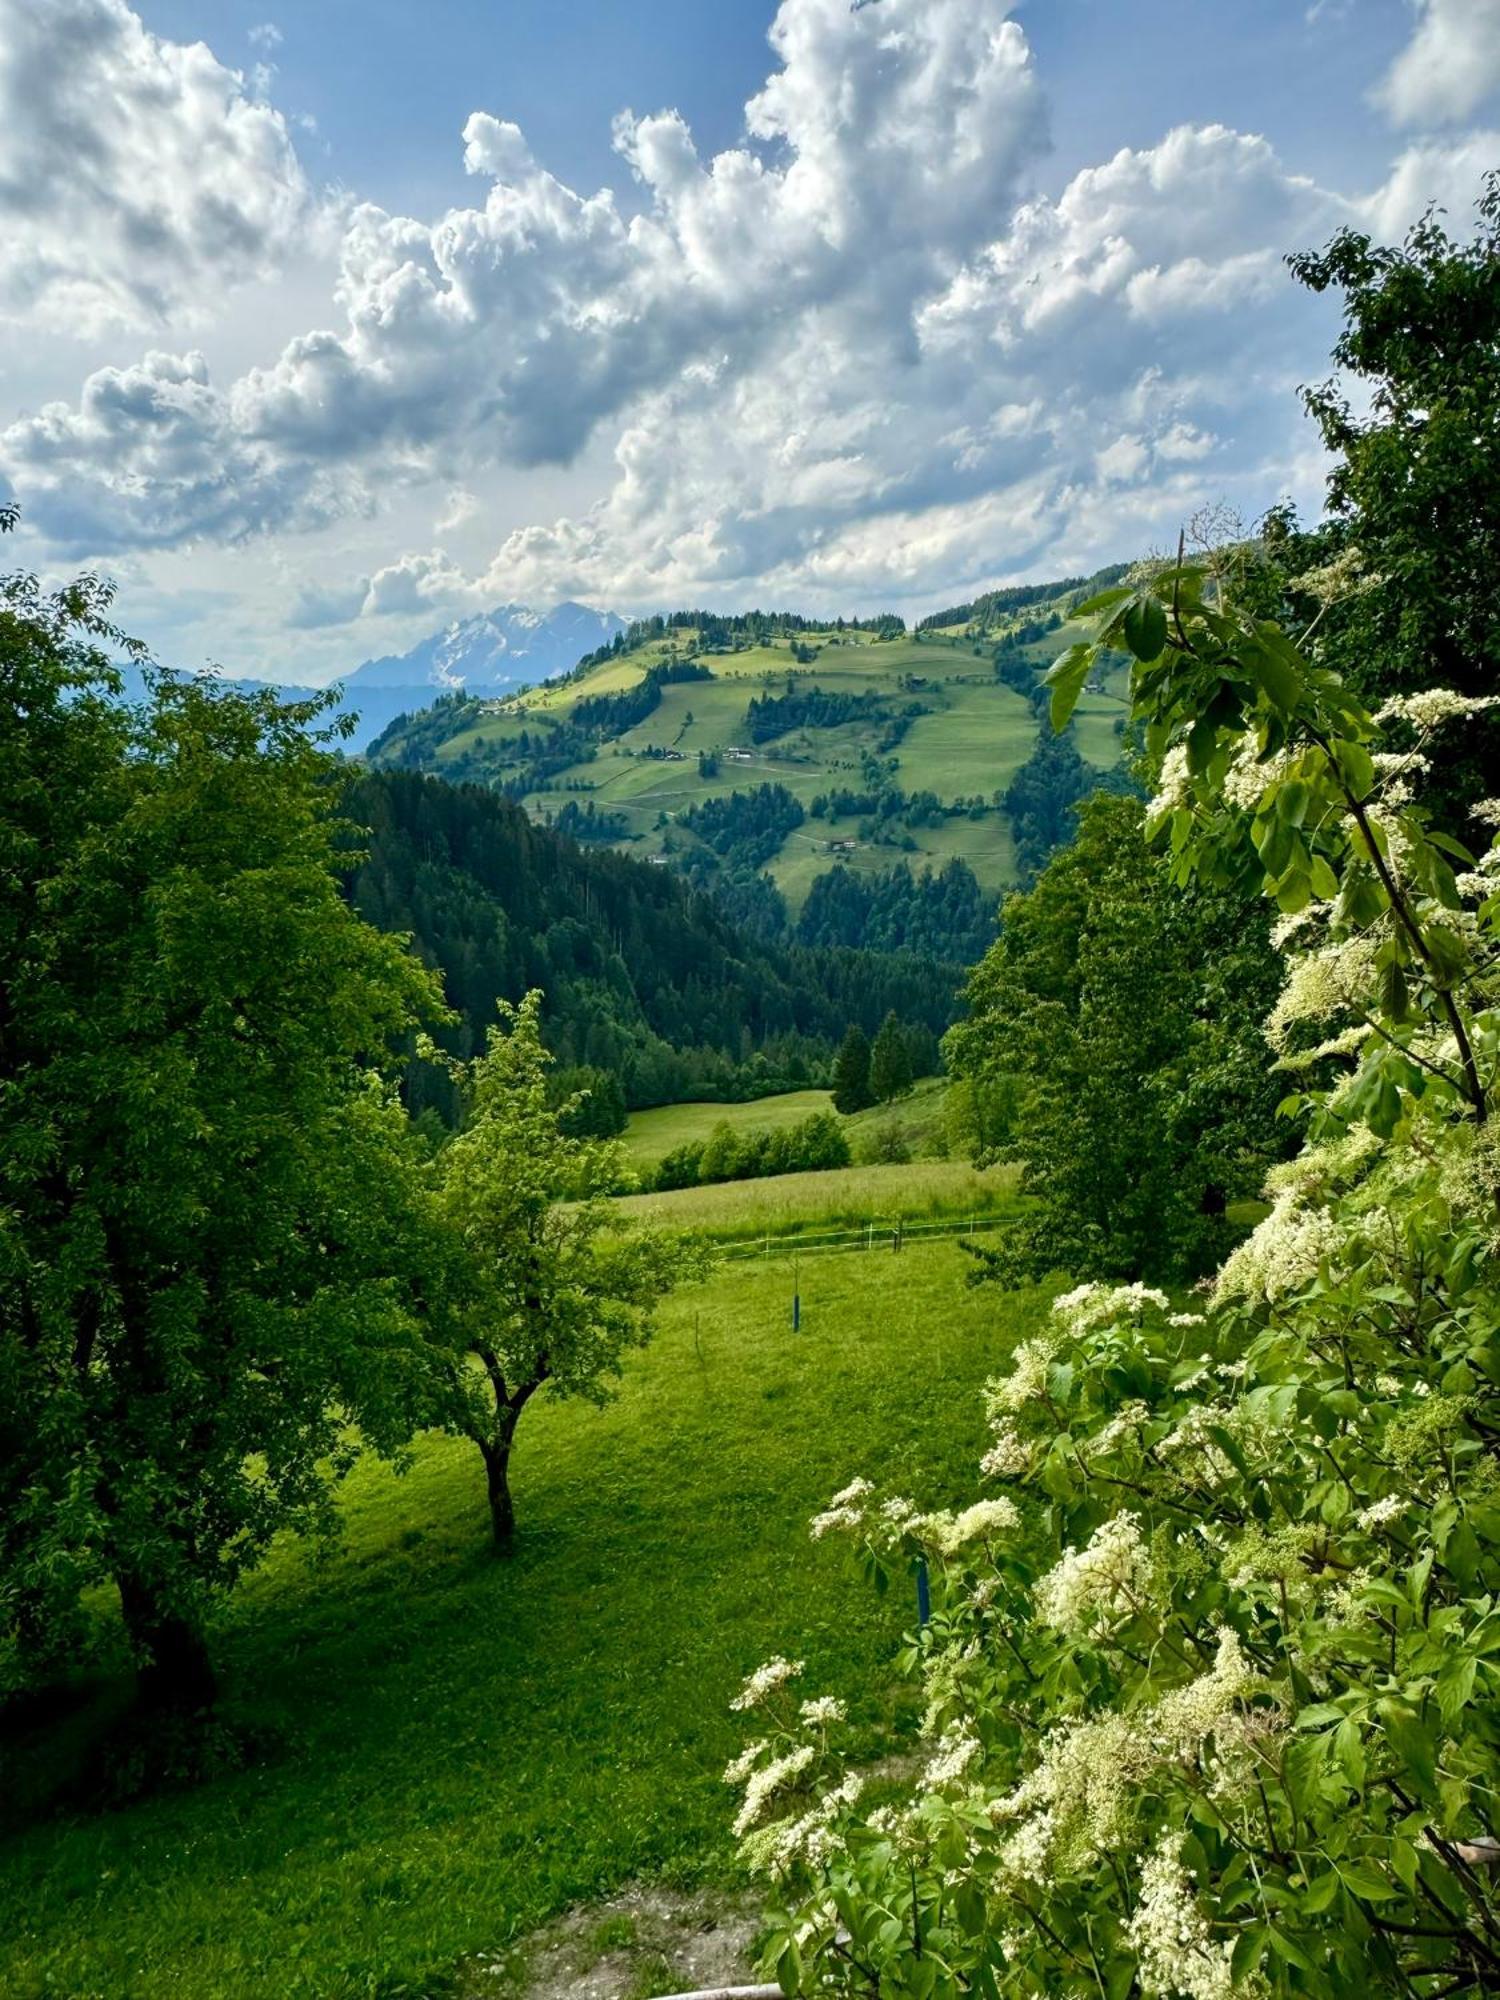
<point x="650" y="1135"/>
<point x="463" y="1747"/>
<point x="845" y="1198"/>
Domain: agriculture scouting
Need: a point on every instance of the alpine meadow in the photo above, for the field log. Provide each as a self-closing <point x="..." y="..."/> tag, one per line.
<point x="701" y="1302"/>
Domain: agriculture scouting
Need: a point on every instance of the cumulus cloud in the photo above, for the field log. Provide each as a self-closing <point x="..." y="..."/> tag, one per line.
<point x="850" y="358"/>
<point x="1450" y="65"/>
<point x="138" y="177"/>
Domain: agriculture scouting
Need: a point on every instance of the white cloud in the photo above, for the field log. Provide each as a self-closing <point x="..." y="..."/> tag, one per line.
<point x="849" y="360"/>
<point x="1450" y="65"/>
<point x="138" y="177"/>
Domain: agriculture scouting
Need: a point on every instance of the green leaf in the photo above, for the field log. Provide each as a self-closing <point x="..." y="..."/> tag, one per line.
<point x="1411" y="1740"/>
<point x="1363" y="1879"/>
<point x="1146" y="629"/>
<point x="1324" y="882"/>
<point x="1066" y="677"/>
<point x="1103" y="600"/>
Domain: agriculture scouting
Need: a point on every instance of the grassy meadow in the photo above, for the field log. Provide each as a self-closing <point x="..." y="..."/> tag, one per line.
<point x="974" y="736"/>
<point x="455" y="1748"/>
<point x="650" y="1135"/>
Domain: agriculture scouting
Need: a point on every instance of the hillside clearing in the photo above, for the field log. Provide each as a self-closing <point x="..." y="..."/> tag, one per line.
<point x="468" y="1747"/>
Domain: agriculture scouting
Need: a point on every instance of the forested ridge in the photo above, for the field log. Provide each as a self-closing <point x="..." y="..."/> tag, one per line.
<point x="644" y="977"/>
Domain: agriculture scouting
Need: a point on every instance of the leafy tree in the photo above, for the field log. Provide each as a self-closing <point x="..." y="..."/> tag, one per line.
<point x="214" y="1242"/>
<point x="594" y="1101"/>
<point x="1415" y="489"/>
<point x="1124" y="1019"/>
<point x="554" y="1288"/>
<point x="890" y="1062"/>
<point x="851" y="1073"/>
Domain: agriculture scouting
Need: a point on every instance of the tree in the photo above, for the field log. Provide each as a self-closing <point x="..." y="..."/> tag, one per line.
<point x="851" y="1073"/>
<point x="554" y="1287"/>
<point x="595" y="1100"/>
<point x="213" y="1235"/>
<point x="1415" y="490"/>
<point x="1123" y="1021"/>
<point x="890" y="1062"/>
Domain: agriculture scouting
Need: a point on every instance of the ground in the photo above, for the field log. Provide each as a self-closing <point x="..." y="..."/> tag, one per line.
<point x="449" y="1752"/>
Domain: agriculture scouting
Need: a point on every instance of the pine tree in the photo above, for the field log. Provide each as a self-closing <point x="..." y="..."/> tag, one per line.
<point x="890" y="1062"/>
<point x="851" y="1073"/>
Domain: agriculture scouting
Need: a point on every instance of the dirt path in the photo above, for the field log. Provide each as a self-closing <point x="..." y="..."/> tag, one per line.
<point x="644" y="1941"/>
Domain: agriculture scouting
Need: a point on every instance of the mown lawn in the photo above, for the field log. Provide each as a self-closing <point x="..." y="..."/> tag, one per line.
<point x="463" y="1747"/>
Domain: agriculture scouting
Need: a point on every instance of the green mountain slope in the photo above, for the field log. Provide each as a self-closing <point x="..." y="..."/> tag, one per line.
<point x="889" y="748"/>
<point x="643" y="976"/>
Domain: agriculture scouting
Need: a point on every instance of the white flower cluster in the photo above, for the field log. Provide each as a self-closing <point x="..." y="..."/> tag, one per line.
<point x="1381" y="1512"/>
<point x="766" y="1781"/>
<point x="1102" y="1583"/>
<point x="1283" y="1253"/>
<point x="1332" y="980"/>
<point x="1176" y="1950"/>
<point x="765" y="1680"/>
<point x="1088" y="1307"/>
<point x="949" y="1533"/>
<point x="1249" y="774"/>
<point x="956" y="1751"/>
<point x="822" y="1710"/>
<point x="845" y="1510"/>
<point x="1027" y="1378"/>
<point x="1329" y="583"/>
<point x="1429" y="708"/>
<point x="1174" y="786"/>
<point x="1009" y="1455"/>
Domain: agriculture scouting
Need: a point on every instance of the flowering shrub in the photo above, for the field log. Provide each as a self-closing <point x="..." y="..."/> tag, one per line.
<point x="1212" y="1665"/>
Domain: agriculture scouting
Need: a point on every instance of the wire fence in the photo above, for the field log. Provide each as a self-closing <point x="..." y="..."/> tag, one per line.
<point x="887" y="1233"/>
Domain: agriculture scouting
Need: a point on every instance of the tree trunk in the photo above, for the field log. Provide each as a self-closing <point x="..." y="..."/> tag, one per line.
<point x="497" y="1481"/>
<point x="178" y="1673"/>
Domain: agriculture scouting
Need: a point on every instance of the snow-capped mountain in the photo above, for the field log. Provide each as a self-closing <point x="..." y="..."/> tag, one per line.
<point x="500" y="648"/>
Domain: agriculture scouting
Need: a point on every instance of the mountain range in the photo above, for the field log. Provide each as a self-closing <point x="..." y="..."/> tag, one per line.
<point x="510" y="647"/>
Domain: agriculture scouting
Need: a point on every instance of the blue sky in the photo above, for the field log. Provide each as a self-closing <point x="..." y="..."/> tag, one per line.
<point x="321" y="325"/>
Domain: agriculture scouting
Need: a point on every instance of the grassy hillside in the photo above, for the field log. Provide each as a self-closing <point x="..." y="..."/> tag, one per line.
<point x="650" y="1135"/>
<point x="969" y="735"/>
<point x="458" y="1748"/>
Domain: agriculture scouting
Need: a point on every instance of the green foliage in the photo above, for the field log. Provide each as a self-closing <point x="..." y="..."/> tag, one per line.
<point x="1407" y="572"/>
<point x="1115" y="1034"/>
<point x="1213" y="1676"/>
<point x="814" y="1145"/>
<point x="891" y="1073"/>
<point x="213" y="1236"/>
<point x="553" y="1286"/>
<point x="851" y="1073"/>
<point x="591" y="1102"/>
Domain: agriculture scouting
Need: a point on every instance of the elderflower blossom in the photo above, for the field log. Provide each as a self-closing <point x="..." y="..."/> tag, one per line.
<point x="1430" y="707"/>
<point x="765" y="1783"/>
<point x="1174" y="786"/>
<point x="765" y="1680"/>
<point x="1088" y="1307"/>
<point x="1379" y="1512"/>
<point x="898" y="1513"/>
<point x="1104" y="1581"/>
<point x="738" y="1769"/>
<point x="1330" y="582"/>
<point x="1186" y="1715"/>
<point x="835" y="1520"/>
<point x="955" y="1752"/>
<point x="1175" y="1949"/>
<point x="1009" y="1455"/>
<point x="1282" y="1255"/>
<point x="1332" y="980"/>
<point x="1027" y="1378"/>
<point x="1487" y="812"/>
<point x="822" y="1710"/>
<point x="952" y="1532"/>
<point x="1248" y="776"/>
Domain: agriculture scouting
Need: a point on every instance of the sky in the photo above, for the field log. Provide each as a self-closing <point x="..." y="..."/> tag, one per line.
<point x="324" y="324"/>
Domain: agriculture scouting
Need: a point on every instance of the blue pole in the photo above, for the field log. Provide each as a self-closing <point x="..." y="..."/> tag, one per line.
<point x="924" y="1593"/>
